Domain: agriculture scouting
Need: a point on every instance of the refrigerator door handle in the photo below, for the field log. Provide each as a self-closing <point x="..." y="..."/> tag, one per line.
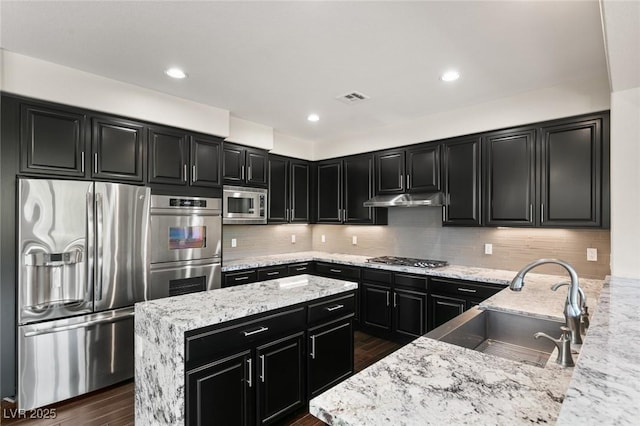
<point x="99" y="246"/>
<point x="89" y="274"/>
<point x="115" y="318"/>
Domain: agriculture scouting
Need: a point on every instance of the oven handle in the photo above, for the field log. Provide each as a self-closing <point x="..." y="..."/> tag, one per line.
<point x="174" y="266"/>
<point x="176" y="212"/>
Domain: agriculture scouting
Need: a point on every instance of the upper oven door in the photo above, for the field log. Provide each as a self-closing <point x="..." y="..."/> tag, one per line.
<point x="178" y="236"/>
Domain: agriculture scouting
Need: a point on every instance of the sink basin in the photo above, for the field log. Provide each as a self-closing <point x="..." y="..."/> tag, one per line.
<point x="500" y="334"/>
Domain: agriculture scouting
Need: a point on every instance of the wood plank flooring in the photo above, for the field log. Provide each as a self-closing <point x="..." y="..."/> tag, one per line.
<point x="114" y="406"/>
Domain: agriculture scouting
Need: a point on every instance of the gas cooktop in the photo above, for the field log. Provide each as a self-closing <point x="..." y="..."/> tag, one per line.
<point x="408" y="261"/>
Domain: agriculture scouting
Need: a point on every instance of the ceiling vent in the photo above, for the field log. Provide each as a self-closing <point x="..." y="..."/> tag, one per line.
<point x="352" y="98"/>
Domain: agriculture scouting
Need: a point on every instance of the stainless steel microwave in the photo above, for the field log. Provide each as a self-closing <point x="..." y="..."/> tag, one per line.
<point x="243" y="205"/>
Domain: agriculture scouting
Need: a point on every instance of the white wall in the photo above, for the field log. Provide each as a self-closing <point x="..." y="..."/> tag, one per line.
<point x="293" y="147"/>
<point x="250" y="133"/>
<point x="625" y="183"/>
<point x="573" y="98"/>
<point x="23" y="75"/>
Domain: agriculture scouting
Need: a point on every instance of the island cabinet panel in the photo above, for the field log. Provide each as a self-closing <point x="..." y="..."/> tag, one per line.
<point x="280" y="378"/>
<point x="330" y="357"/>
<point x="221" y="392"/>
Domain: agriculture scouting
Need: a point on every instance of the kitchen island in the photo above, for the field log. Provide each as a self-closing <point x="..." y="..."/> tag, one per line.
<point x="161" y="325"/>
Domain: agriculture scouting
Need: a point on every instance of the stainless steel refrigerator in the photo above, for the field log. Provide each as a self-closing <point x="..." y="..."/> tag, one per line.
<point x="82" y="264"/>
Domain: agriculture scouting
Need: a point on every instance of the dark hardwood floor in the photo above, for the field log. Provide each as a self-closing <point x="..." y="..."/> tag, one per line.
<point x="113" y="406"/>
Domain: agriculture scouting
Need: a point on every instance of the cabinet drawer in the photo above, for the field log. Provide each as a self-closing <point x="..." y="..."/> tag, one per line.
<point x="301" y="268"/>
<point x="272" y="272"/>
<point x="463" y="288"/>
<point x="337" y="271"/>
<point x="200" y="347"/>
<point x="377" y="276"/>
<point x="418" y="282"/>
<point x="335" y="307"/>
<point x="241" y="277"/>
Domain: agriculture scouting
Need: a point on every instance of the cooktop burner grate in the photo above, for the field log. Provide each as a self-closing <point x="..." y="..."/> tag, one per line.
<point x="408" y="261"/>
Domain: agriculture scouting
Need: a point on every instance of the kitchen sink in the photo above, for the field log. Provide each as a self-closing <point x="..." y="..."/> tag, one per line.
<point x="500" y="334"/>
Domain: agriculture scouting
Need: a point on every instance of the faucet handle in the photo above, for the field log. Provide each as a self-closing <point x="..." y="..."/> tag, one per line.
<point x="583" y="297"/>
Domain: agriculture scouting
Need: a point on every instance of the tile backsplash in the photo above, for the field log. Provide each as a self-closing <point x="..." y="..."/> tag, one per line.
<point x="418" y="232"/>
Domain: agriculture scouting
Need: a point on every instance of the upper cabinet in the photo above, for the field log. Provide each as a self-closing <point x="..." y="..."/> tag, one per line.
<point x="288" y="190"/>
<point x="413" y="169"/>
<point x="343" y="185"/>
<point x="461" y="182"/>
<point x="206" y="161"/>
<point x="509" y="169"/>
<point x="168" y="156"/>
<point x="52" y="140"/>
<point x="245" y="165"/>
<point x="117" y="149"/>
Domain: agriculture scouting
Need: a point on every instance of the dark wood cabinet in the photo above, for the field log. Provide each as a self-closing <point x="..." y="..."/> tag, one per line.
<point x="52" y="140"/>
<point x="168" y="156"/>
<point x="375" y="313"/>
<point x="244" y="165"/>
<point x="343" y="185"/>
<point x="245" y="276"/>
<point x="461" y="171"/>
<point x="280" y="378"/>
<point x="330" y="357"/>
<point x="444" y="308"/>
<point x="412" y="169"/>
<point x="289" y="198"/>
<point x="117" y="149"/>
<point x="509" y="164"/>
<point x="301" y="268"/>
<point x="221" y="392"/>
<point x="206" y="156"/>
<point x="571" y="174"/>
<point x="272" y="272"/>
<point x="409" y="312"/>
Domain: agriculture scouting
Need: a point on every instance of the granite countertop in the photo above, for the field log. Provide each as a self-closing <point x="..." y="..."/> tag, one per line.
<point x="160" y="326"/>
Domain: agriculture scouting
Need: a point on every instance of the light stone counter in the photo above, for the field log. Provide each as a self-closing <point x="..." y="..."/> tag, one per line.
<point x="160" y="326"/>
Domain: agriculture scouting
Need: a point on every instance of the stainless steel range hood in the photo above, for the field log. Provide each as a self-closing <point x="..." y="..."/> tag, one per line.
<point x="406" y="200"/>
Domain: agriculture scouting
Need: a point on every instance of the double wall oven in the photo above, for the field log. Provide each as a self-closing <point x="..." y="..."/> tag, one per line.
<point x="186" y="245"/>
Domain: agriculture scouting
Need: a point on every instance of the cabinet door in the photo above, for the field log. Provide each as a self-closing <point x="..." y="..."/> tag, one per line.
<point x="233" y="171"/>
<point x="52" y="141"/>
<point x="221" y="393"/>
<point x="462" y="182"/>
<point x="423" y="168"/>
<point x="299" y="191"/>
<point x="206" y="154"/>
<point x="571" y="174"/>
<point x="444" y="308"/>
<point x="167" y="156"/>
<point x="410" y="313"/>
<point x="510" y="178"/>
<point x="376" y="307"/>
<point x="329" y="192"/>
<point x="117" y="149"/>
<point x="390" y="172"/>
<point x="257" y="166"/>
<point x="280" y="378"/>
<point x="330" y="359"/>
<point x="358" y="188"/>
<point x="278" y="211"/>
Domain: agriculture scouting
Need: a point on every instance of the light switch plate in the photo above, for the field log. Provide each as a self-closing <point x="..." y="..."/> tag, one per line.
<point x="592" y="254"/>
<point x="354" y="240"/>
<point x="234" y="242"/>
<point x="488" y="249"/>
<point x="323" y="238"/>
<point x="293" y="238"/>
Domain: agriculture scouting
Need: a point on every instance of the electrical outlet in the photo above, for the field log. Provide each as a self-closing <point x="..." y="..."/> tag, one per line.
<point x="293" y="238"/>
<point x="234" y="242"/>
<point x="354" y="240"/>
<point x="592" y="254"/>
<point x="488" y="249"/>
<point x="323" y="238"/>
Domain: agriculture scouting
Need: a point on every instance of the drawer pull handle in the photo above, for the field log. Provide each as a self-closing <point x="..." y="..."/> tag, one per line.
<point x="313" y="347"/>
<point x="334" y="308"/>
<point x="304" y="268"/>
<point x="260" y="330"/>
<point x="468" y="290"/>
<point x="337" y="271"/>
<point x="272" y="273"/>
<point x="241" y="278"/>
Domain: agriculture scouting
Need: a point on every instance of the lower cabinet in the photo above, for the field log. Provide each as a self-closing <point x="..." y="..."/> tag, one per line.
<point x="444" y="308"/>
<point x="330" y="357"/>
<point x="375" y="313"/>
<point x="409" y="312"/>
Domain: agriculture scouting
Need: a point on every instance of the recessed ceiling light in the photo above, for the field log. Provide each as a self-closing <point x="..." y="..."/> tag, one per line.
<point x="313" y="117"/>
<point x="175" y="73"/>
<point x="450" y="76"/>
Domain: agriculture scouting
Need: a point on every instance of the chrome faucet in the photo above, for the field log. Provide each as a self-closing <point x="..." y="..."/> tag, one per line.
<point x="584" y="309"/>
<point x="572" y="309"/>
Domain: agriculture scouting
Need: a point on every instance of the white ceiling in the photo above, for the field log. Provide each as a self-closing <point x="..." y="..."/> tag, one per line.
<point x="276" y="62"/>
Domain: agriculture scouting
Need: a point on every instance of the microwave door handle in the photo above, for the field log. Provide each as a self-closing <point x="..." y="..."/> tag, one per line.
<point x="99" y="246"/>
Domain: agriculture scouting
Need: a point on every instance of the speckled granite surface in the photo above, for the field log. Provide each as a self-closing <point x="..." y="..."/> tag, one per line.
<point x="160" y="326"/>
<point x="605" y="387"/>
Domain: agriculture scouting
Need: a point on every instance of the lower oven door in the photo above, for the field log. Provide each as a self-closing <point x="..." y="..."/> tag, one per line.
<point x="175" y="278"/>
<point x="65" y="358"/>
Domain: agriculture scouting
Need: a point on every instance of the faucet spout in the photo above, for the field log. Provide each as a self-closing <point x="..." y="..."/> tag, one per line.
<point x="572" y="309"/>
